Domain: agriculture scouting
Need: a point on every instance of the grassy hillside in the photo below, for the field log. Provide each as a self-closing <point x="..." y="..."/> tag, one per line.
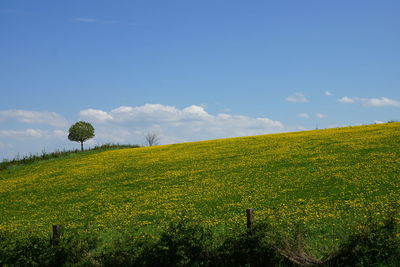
<point x="329" y="180"/>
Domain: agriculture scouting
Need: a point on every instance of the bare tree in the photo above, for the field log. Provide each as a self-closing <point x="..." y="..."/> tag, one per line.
<point x="152" y="139"/>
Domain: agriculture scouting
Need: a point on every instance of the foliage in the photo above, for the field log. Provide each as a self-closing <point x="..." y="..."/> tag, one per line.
<point x="25" y="251"/>
<point x="34" y="250"/>
<point x="257" y="246"/>
<point x="81" y="132"/>
<point x="185" y="243"/>
<point x="294" y="249"/>
<point x="182" y="244"/>
<point x="376" y="243"/>
<point x="126" y="250"/>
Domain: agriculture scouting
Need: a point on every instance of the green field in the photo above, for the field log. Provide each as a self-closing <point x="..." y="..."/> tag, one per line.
<point x="330" y="181"/>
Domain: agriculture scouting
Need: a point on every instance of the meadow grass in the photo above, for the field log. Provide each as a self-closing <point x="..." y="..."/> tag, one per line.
<point x="328" y="182"/>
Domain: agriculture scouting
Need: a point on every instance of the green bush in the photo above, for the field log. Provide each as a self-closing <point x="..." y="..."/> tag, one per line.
<point x="32" y="251"/>
<point x="39" y="251"/>
<point x="188" y="244"/>
<point x="255" y="246"/>
<point x="76" y="249"/>
<point x="374" y="244"/>
<point x="182" y="244"/>
<point x="126" y="250"/>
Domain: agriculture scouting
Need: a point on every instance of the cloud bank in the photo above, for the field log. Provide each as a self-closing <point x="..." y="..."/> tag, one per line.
<point x="34" y="117"/>
<point x="192" y="123"/>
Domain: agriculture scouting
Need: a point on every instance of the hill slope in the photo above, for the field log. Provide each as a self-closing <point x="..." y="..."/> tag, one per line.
<point x="327" y="179"/>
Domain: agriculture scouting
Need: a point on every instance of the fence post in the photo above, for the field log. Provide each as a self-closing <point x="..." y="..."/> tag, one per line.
<point x="56" y="235"/>
<point x="250" y="217"/>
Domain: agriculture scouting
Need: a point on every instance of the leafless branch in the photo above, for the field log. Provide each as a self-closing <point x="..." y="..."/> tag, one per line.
<point x="152" y="139"/>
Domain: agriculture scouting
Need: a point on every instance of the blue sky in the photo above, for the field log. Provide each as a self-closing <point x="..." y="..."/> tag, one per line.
<point x="193" y="70"/>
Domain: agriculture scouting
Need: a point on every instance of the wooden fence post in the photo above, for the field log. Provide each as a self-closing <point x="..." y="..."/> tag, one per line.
<point x="56" y="235"/>
<point x="250" y="217"/>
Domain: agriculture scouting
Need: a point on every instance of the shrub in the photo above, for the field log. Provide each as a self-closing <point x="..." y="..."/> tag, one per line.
<point x="76" y="249"/>
<point x="126" y="250"/>
<point x="38" y="251"/>
<point x="375" y="244"/>
<point x="187" y="244"/>
<point x="294" y="249"/>
<point x="182" y="244"/>
<point x="32" y="251"/>
<point x="253" y="247"/>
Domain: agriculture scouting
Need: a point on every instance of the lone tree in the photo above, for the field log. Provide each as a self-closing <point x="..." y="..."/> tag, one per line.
<point x="80" y="132"/>
<point x="152" y="139"/>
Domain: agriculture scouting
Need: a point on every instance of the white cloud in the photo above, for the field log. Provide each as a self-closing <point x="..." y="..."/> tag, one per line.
<point x="33" y="133"/>
<point x="346" y="99"/>
<point x="303" y="115"/>
<point x="297" y="98"/>
<point x="130" y="123"/>
<point x="159" y="113"/>
<point x="380" y="102"/>
<point x="34" y="117"/>
<point x="371" y="102"/>
<point x="28" y="133"/>
<point x="320" y="115"/>
<point x="60" y="133"/>
<point x="95" y="115"/>
<point x="328" y="93"/>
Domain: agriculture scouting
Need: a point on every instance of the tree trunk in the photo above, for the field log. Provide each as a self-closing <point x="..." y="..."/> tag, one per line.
<point x="81" y="145"/>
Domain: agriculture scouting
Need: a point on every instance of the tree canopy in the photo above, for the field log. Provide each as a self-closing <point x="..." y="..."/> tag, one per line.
<point x="81" y="132"/>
